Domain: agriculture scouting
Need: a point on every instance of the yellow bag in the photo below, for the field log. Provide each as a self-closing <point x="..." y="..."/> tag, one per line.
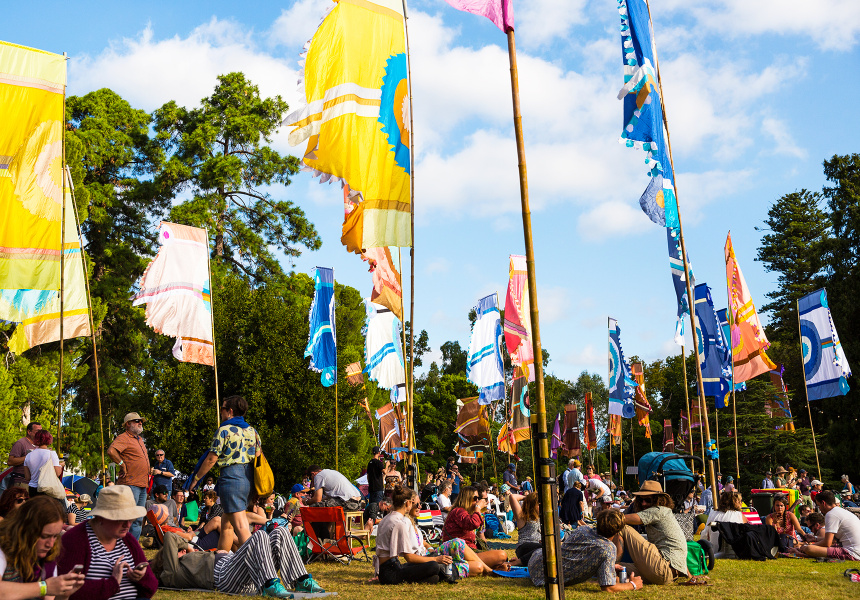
<point x="264" y="479"/>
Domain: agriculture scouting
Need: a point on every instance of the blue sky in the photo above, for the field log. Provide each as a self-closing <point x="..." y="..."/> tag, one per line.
<point x="757" y="95"/>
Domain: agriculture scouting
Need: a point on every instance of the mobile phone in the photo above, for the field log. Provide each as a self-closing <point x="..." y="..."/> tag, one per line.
<point x="141" y="565"/>
<point x="78" y="569"/>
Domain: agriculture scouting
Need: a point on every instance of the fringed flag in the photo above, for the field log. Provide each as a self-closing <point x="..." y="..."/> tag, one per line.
<point x="590" y="426"/>
<point x="484" y="366"/>
<point x="643" y="113"/>
<point x="518" y="325"/>
<point x="684" y="427"/>
<point x="722" y="316"/>
<point x="472" y="427"/>
<point x="622" y="387"/>
<point x="779" y="405"/>
<point x="383" y="355"/>
<point x="714" y="352"/>
<point x="748" y="339"/>
<point x="354" y="375"/>
<point x="357" y="118"/>
<point x="556" y="443"/>
<point x="176" y="290"/>
<point x="500" y="12"/>
<point x="32" y="89"/>
<point x="366" y="406"/>
<point x="517" y="429"/>
<point x="398" y="393"/>
<point x="668" y="436"/>
<point x="824" y="364"/>
<point x="696" y="417"/>
<point x="679" y="281"/>
<point x="570" y="437"/>
<point x="614" y="429"/>
<point x="640" y="400"/>
<point x="43" y="323"/>
<point x="386" y="280"/>
<point x="322" y="339"/>
<point x="392" y="429"/>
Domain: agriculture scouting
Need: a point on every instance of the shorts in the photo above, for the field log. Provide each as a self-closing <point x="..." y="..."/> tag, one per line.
<point x="841" y="553"/>
<point x="234" y="487"/>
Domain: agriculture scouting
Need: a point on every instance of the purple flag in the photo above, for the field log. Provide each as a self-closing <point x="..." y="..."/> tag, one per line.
<point x="555" y="444"/>
<point x="500" y="12"/>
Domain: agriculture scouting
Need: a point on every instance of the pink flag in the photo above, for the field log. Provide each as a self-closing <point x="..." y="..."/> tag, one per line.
<point x="500" y="12"/>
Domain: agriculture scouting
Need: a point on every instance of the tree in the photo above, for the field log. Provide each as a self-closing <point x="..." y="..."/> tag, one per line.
<point x="218" y="153"/>
<point x="454" y="359"/>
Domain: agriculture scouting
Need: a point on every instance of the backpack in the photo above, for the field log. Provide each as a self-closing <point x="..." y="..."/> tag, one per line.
<point x="697" y="561"/>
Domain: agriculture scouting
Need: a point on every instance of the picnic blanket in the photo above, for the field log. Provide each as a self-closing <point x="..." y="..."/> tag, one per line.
<point x="514" y="573"/>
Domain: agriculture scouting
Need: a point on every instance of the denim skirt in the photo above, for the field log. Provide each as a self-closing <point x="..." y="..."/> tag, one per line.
<point x="234" y="487"/>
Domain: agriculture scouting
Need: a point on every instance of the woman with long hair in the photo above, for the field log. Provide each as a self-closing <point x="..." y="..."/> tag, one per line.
<point x="396" y="537"/>
<point x="11" y="499"/>
<point x="527" y="518"/>
<point x="785" y="522"/>
<point x="29" y="545"/>
<point x="461" y="524"/>
<point x="728" y="511"/>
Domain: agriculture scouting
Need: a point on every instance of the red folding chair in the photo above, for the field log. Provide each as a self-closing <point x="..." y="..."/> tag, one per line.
<point x="339" y="545"/>
<point x="159" y="531"/>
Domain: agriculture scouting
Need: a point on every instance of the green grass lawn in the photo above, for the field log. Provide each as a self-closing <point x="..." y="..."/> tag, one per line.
<point x="779" y="579"/>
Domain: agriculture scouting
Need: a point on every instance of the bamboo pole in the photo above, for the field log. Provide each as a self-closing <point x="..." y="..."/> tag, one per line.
<point x="633" y="441"/>
<point x="806" y="389"/>
<point x="730" y="319"/>
<point x="62" y="271"/>
<point x="92" y="329"/>
<point x="717" y="423"/>
<point x="621" y="450"/>
<point x="212" y="317"/>
<point x="687" y="399"/>
<point x="554" y="586"/>
<point x="690" y="297"/>
<point x="336" y="432"/>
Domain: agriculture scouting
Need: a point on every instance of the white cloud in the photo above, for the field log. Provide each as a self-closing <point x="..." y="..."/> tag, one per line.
<point x="587" y="357"/>
<point x="553" y="303"/>
<point x="610" y="219"/>
<point x="697" y="190"/>
<point x="438" y="265"/>
<point x="783" y="140"/>
<point x="541" y="22"/>
<point x="297" y="24"/>
<point x="831" y="24"/>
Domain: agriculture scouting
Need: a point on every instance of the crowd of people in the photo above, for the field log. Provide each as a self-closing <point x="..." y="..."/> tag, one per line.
<point x="224" y="536"/>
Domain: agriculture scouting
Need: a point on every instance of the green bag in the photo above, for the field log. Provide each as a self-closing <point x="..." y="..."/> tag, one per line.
<point x="303" y="543"/>
<point x="697" y="560"/>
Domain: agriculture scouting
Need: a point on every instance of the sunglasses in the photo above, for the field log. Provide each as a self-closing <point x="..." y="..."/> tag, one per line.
<point x="647" y="499"/>
<point x="136" y="421"/>
<point x="159" y="454"/>
<point x="474" y="498"/>
<point x="20" y="500"/>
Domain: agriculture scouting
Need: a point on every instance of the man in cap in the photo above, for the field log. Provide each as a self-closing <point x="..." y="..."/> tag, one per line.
<point x="128" y="451"/>
<point x="781" y="482"/>
<point x="510" y="477"/>
<point x="663" y="557"/>
<point x="767" y="482"/>
<point x="376" y="475"/>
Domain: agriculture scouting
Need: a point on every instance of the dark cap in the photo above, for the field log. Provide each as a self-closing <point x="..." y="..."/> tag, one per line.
<point x="375" y="450"/>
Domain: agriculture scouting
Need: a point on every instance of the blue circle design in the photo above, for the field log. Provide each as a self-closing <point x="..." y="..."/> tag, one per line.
<point x="395" y="72"/>
<point x="614" y="364"/>
<point x="628" y="411"/>
<point x="811" y="349"/>
<point x="327" y="376"/>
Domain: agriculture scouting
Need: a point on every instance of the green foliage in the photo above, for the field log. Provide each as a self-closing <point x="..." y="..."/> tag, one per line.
<point x="218" y="153"/>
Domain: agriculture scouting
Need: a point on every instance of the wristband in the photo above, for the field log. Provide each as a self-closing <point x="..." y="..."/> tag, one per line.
<point x="120" y="463"/>
<point x="633" y="583"/>
<point x="43" y="589"/>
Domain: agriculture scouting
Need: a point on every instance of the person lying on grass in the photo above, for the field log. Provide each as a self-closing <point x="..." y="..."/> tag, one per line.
<point x="463" y="520"/>
<point x="663" y="557"/>
<point x="587" y="553"/>
<point x="840" y="525"/>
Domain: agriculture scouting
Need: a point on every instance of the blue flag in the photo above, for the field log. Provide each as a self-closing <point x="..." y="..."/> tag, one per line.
<point x="676" y="265"/>
<point x="714" y="353"/>
<point x="484" y="366"/>
<point x="322" y="346"/>
<point x="824" y="363"/>
<point x="643" y="114"/>
<point x="723" y="317"/>
<point x="622" y="386"/>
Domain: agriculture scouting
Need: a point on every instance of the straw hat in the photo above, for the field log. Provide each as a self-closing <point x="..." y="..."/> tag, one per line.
<point x="651" y="488"/>
<point x="116" y="503"/>
<point x="780" y="470"/>
<point x="132" y="417"/>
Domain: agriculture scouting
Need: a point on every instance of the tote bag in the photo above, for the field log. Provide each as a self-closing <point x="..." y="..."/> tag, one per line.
<point x="49" y="483"/>
<point x="264" y="479"/>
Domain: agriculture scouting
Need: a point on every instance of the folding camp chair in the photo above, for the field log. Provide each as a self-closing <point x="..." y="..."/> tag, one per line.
<point x="159" y="532"/>
<point x="339" y="544"/>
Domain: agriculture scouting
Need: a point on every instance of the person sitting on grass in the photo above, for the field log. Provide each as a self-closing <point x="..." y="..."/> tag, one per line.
<point x="75" y="512"/>
<point x="527" y="519"/>
<point x="816" y="528"/>
<point x="375" y="512"/>
<point x="252" y="569"/>
<point x="663" y="557"/>
<point x="293" y="509"/>
<point x="208" y="530"/>
<point x="462" y="522"/>
<point x="784" y="521"/>
<point x="395" y="538"/>
<point x="443" y="498"/>
<point x="729" y="511"/>
<point x="839" y="525"/>
<point x="11" y="499"/>
<point x="587" y="553"/>
<point x="159" y="492"/>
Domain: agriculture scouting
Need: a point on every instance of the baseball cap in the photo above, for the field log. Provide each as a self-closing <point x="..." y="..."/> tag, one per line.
<point x="298" y="488"/>
<point x="816" y="482"/>
<point x="607" y="498"/>
<point x="375" y="450"/>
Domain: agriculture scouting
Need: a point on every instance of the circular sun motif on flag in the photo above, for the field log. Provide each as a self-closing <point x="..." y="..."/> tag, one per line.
<point x="394" y="109"/>
<point x="811" y="346"/>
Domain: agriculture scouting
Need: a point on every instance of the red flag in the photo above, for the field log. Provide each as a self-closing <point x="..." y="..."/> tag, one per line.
<point x="668" y="436"/>
<point x="590" y="429"/>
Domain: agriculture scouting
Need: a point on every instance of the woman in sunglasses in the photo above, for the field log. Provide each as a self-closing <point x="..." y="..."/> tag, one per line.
<point x="11" y="499"/>
<point x="462" y="522"/>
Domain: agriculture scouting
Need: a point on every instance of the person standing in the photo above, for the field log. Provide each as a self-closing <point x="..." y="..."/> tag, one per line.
<point x="375" y="477"/>
<point x="573" y="475"/>
<point x="21" y="449"/>
<point x="510" y="477"/>
<point x="162" y="471"/>
<point x="781" y="482"/>
<point x="128" y="451"/>
<point x="234" y="448"/>
<point x="456" y="480"/>
<point x="36" y="459"/>
<point x="767" y="482"/>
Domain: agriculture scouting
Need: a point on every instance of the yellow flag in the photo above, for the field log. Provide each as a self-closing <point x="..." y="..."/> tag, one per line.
<point x="43" y="325"/>
<point x="32" y="86"/>
<point x="356" y="122"/>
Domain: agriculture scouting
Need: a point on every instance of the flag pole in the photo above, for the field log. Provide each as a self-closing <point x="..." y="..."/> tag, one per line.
<point x="621" y="450"/>
<point x="62" y="269"/>
<point x="690" y="297"/>
<point x="334" y="329"/>
<point x="212" y="315"/>
<point x="494" y="441"/>
<point x="806" y="390"/>
<point x="554" y="586"/>
<point x="687" y="398"/>
<point x="730" y="319"/>
<point x="103" y="470"/>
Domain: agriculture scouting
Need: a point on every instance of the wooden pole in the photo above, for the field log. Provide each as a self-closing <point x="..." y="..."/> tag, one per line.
<point x="717" y="423"/>
<point x="621" y="451"/>
<point x="730" y="319"/>
<point x="62" y="272"/>
<point x="92" y="329"/>
<point x="554" y="587"/>
<point x="633" y="442"/>
<point x="212" y="316"/>
<point x="690" y="297"/>
<point x="336" y="431"/>
<point x="806" y="390"/>
<point x="687" y="398"/>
